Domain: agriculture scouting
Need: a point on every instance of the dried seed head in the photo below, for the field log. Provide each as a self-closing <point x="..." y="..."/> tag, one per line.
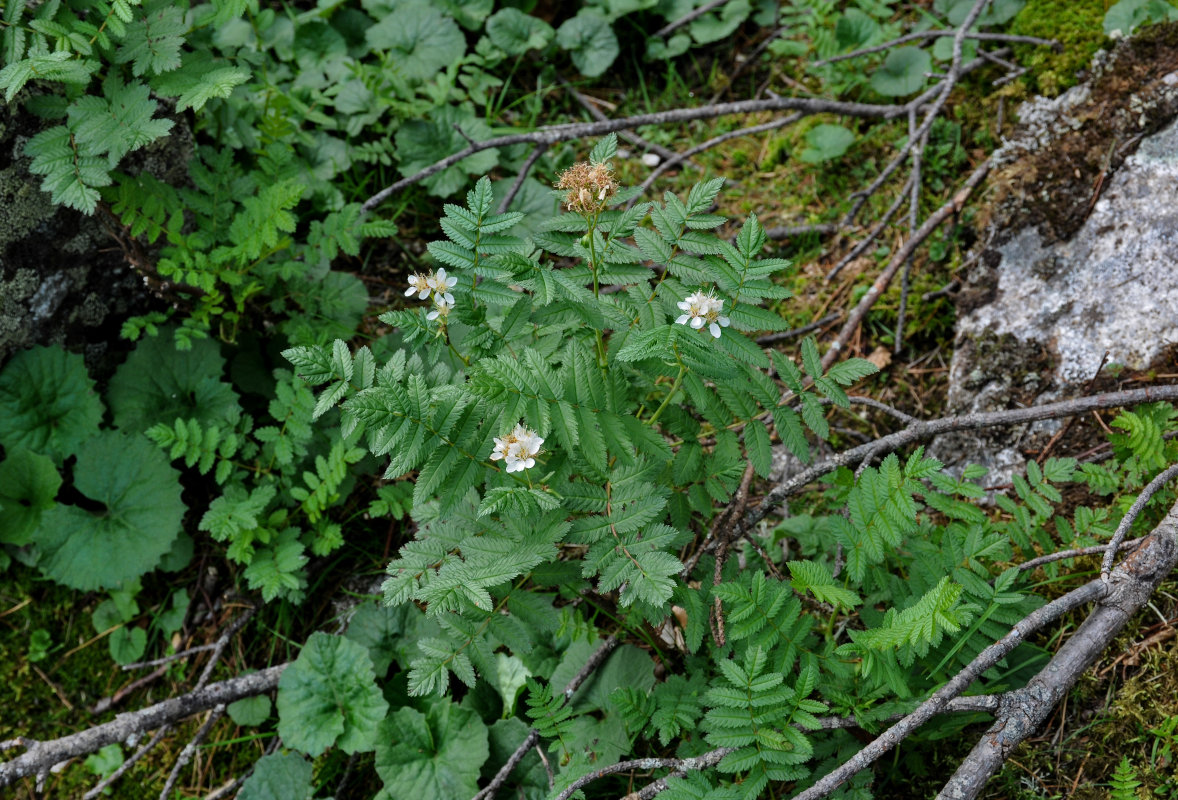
<point x="587" y="187"/>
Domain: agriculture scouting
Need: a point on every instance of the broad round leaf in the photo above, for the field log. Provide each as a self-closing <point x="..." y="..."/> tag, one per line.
<point x="420" y="40"/>
<point x="158" y="383"/>
<point x="826" y="142"/>
<point x="279" y="776"/>
<point x="590" y="41"/>
<point x="720" y="24"/>
<point x="28" y="484"/>
<point x="250" y="711"/>
<point x="329" y="696"/>
<point x="855" y="29"/>
<point x="47" y="402"/>
<point x="137" y="519"/>
<point x="436" y="754"/>
<point x="903" y="72"/>
<point x="515" y="32"/>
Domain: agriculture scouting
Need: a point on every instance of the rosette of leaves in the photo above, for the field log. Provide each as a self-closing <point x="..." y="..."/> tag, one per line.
<point x="28" y="486"/>
<point x="159" y="384"/>
<point x="128" y="516"/>
<point x="47" y="402"/>
<point x="328" y="696"/>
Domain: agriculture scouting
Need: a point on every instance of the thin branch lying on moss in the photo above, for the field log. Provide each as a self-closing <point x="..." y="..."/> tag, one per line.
<point x="39" y="757"/>
<point x="554" y="134"/>
<point x="595" y="660"/>
<point x="1127" y="591"/>
<point x="881" y="283"/>
<point x="518" y="183"/>
<point x="921" y="431"/>
<point x="773" y="338"/>
<point x="1005" y="38"/>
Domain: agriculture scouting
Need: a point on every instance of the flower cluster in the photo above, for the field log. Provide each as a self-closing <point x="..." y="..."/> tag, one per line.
<point x="587" y="187"/>
<point x="517" y="449"/>
<point x="703" y="309"/>
<point x="437" y="283"/>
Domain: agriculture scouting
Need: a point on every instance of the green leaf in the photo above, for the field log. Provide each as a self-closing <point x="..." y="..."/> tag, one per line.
<point x="153" y="40"/>
<point x="419" y="40"/>
<point x="1127" y="15"/>
<point x="435" y="754"/>
<point x="61" y="66"/>
<point x="158" y="384"/>
<point x="855" y="29"/>
<point x="279" y="776"/>
<point x="28" y="485"/>
<point x="250" y="712"/>
<point x="141" y="515"/>
<point x="826" y="142"/>
<point x="758" y="446"/>
<point x="590" y="41"/>
<point x="127" y="645"/>
<point x="47" y="402"/>
<point x="903" y="72"/>
<point x="199" y="79"/>
<point x="515" y="32"/>
<point x="378" y="627"/>
<point x="329" y="696"/>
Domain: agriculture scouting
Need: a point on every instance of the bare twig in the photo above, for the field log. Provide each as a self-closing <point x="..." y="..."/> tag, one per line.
<point x="921" y="431"/>
<point x="750" y="60"/>
<point x="518" y="183"/>
<point x="689" y="17"/>
<point x="900" y="257"/>
<point x="599" y="655"/>
<point x="129" y="762"/>
<point x="1005" y="38"/>
<point x="1134" y="512"/>
<point x="553" y="134"/>
<point x="788" y="231"/>
<point x="190" y="750"/>
<point x="40" y="756"/>
<point x="678" y="158"/>
<point x="1063" y="429"/>
<point x="1094" y="550"/>
<point x="587" y="102"/>
<point x="773" y="338"/>
<point x="913" y="216"/>
<point x="862" y="246"/>
<point x="1024" y="710"/>
<point x="940" y="699"/>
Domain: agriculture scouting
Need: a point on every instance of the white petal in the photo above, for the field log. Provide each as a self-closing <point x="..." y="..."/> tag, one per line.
<point x="451" y="283"/>
<point x="432" y="315"/>
<point x="448" y="298"/>
<point x="724" y="321"/>
<point x="684" y="305"/>
<point x="531" y="462"/>
<point x="411" y="290"/>
<point x="682" y="320"/>
<point x="424" y="294"/>
<point x="496" y="455"/>
<point x="697" y="322"/>
<point x="715" y="329"/>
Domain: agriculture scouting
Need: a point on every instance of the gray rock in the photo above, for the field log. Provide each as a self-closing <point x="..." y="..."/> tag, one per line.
<point x="1047" y="300"/>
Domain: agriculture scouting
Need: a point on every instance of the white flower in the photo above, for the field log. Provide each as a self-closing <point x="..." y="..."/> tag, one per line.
<point x="442" y="284"/>
<point x="517" y="449"/>
<point x="419" y="285"/>
<point x="703" y="309"/>
<point x="441" y="307"/>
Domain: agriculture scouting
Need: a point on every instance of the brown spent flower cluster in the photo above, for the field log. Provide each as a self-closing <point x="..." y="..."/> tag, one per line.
<point x="588" y="187"/>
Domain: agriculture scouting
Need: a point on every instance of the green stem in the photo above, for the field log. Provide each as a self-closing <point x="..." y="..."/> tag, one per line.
<point x="671" y="393"/>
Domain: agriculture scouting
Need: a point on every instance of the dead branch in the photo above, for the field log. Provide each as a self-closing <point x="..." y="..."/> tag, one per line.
<point x="690" y="16"/>
<point x="553" y="134"/>
<point x="922" y="431"/>
<point x="1005" y="38"/>
<point x="595" y="660"/>
<point x="40" y="756"/>
<point x="898" y="260"/>
<point x="773" y="338"/>
<point x="518" y="183"/>
<point x="1024" y="710"/>
<point x="1127" y="521"/>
